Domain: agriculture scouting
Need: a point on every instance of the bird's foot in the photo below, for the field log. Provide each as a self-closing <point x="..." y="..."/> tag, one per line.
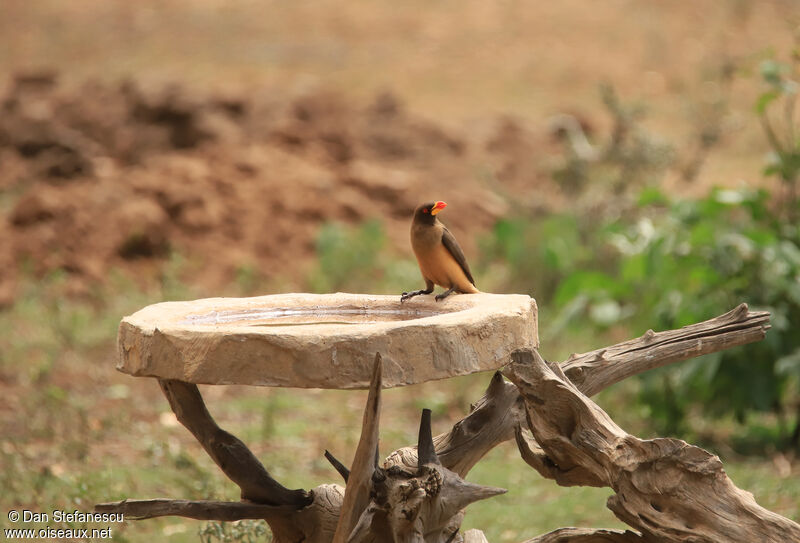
<point x="408" y="295"/>
<point x="445" y="294"/>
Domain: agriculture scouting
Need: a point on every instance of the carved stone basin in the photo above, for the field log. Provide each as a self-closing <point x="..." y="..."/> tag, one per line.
<point x="325" y="340"/>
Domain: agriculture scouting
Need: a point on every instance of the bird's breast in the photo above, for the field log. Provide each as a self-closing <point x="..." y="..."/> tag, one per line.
<point x="435" y="261"/>
<point x="425" y="238"/>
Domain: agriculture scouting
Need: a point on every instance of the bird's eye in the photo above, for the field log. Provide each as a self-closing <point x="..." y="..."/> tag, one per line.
<point x="425" y="210"/>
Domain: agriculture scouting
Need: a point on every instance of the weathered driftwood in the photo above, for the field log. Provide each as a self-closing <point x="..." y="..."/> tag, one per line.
<point x="422" y="507"/>
<point x="491" y="421"/>
<point x="666" y="489"/>
<point x="196" y="509"/>
<point x="343" y="470"/>
<point x="475" y="536"/>
<point x="393" y="505"/>
<point x="405" y="495"/>
<point x="231" y="455"/>
<point x="315" y="523"/>
<point x="587" y="535"/>
<point x="498" y="414"/>
<point x="593" y="371"/>
<point x="357" y="491"/>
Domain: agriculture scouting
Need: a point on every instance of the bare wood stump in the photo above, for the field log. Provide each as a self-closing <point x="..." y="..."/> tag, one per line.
<point x="665" y="488"/>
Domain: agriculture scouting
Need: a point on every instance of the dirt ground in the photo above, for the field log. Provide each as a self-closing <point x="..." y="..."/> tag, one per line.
<point x="231" y="133"/>
<point x="114" y="176"/>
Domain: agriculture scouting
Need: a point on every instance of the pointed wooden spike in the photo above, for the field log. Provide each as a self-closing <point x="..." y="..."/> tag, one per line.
<point x="356" y="494"/>
<point x="468" y="493"/>
<point x="426" y="453"/>
<point x="341" y="468"/>
<point x="496" y="383"/>
<point x="739" y="312"/>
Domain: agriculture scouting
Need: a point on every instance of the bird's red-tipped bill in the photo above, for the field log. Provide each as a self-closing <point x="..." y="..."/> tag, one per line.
<point x="437" y="207"/>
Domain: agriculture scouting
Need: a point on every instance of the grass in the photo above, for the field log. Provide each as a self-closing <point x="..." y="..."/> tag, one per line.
<point x="75" y="432"/>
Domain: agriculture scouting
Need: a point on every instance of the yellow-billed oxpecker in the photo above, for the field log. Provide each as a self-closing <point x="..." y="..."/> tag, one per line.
<point x="439" y="255"/>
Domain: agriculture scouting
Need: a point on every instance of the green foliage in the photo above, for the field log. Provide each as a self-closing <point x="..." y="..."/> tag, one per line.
<point x="347" y="257"/>
<point x="539" y="253"/>
<point x="667" y="265"/>
<point x="564" y="261"/>
<point x="701" y="257"/>
<point x="782" y="82"/>
<point x="354" y="259"/>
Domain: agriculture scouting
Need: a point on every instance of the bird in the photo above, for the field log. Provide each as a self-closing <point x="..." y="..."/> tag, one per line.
<point x="440" y="258"/>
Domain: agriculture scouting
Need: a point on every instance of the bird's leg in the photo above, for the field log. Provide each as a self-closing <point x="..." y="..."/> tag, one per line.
<point x="408" y="295"/>
<point x="427" y="290"/>
<point x="445" y="294"/>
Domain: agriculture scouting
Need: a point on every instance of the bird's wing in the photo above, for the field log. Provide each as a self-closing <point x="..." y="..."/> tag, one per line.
<point x="449" y="241"/>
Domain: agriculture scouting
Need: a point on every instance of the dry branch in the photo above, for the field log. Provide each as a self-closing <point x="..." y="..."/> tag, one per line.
<point x="587" y="535"/>
<point x="666" y="489"/>
<point x="593" y="371"/>
<point x="536" y="458"/>
<point x="491" y="421"/>
<point x="423" y="507"/>
<point x="343" y="470"/>
<point x="494" y="418"/>
<point x="199" y="510"/>
<point x="230" y="454"/>
<point x="357" y="491"/>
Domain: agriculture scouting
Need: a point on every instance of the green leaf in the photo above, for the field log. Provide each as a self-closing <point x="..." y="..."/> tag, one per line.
<point x="704" y="233"/>
<point x="765" y="100"/>
<point x="771" y="71"/>
<point x="652" y="196"/>
<point x="585" y="283"/>
<point x="634" y="268"/>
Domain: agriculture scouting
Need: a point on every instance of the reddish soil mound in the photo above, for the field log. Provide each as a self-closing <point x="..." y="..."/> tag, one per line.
<point x="115" y="177"/>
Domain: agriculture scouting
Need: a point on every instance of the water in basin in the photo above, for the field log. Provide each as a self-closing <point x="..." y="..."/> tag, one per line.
<point x="298" y="316"/>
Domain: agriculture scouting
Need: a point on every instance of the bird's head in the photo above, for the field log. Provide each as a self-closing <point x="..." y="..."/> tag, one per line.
<point x="426" y="213"/>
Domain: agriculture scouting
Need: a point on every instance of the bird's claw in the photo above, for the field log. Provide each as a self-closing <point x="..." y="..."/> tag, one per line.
<point x="445" y="294"/>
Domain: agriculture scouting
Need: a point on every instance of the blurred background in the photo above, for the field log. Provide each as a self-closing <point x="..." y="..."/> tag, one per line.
<point x="631" y="167"/>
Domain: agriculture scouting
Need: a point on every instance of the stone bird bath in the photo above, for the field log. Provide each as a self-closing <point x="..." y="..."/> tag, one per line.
<point x="325" y="340"/>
